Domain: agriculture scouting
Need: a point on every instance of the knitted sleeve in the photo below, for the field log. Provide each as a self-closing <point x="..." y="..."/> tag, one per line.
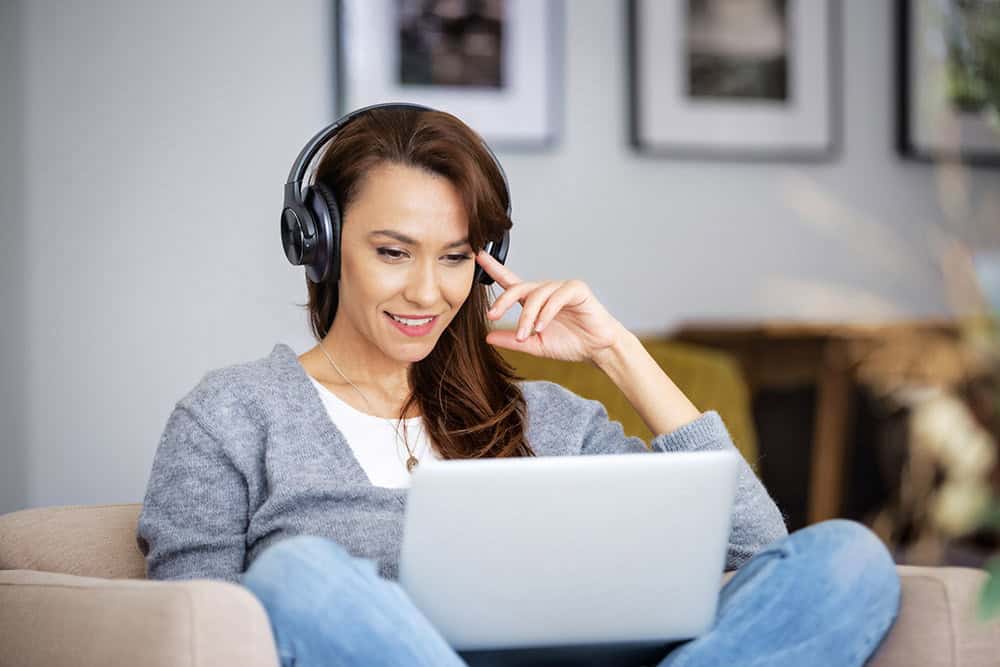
<point x="194" y="516"/>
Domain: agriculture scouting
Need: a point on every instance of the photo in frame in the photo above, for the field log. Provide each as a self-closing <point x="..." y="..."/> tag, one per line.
<point x="496" y="64"/>
<point x="948" y="93"/>
<point x="735" y="79"/>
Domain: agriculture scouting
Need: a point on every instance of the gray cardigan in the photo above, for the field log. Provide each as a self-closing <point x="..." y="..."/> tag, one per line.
<point x="250" y="456"/>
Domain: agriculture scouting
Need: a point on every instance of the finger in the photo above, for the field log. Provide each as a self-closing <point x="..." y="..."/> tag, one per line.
<point x="566" y="293"/>
<point x="507" y="299"/>
<point x="504" y="276"/>
<point x="532" y="304"/>
<point x="505" y="338"/>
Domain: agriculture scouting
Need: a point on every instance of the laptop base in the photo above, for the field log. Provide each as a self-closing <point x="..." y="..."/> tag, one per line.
<point x="626" y="654"/>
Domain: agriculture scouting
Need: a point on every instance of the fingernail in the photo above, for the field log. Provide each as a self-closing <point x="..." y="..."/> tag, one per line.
<point x="520" y="334"/>
<point x="539" y="327"/>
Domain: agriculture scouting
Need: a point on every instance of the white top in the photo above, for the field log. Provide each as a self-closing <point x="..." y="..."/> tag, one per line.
<point x="374" y="441"/>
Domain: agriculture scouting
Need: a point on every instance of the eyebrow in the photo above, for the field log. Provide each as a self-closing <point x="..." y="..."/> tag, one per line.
<point x="403" y="238"/>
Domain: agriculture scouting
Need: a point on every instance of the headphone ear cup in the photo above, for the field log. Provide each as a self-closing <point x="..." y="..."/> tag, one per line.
<point x="326" y="213"/>
<point x="496" y="249"/>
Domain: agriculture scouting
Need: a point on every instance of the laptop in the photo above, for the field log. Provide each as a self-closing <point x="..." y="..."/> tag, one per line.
<point x="568" y="558"/>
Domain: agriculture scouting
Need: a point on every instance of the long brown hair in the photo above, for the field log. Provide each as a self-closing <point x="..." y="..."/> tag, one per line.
<point x="466" y="391"/>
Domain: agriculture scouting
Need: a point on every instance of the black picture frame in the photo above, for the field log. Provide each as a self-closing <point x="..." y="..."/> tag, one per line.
<point x="825" y="149"/>
<point x="907" y="145"/>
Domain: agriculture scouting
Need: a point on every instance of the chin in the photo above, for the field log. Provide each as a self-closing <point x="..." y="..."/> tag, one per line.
<point x="412" y="350"/>
<point x="416" y="355"/>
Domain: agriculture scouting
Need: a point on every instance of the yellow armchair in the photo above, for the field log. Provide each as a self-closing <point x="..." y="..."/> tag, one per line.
<point x="712" y="380"/>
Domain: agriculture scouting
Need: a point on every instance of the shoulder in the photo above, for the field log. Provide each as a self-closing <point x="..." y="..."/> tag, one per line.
<point x="229" y="394"/>
<point x="559" y="421"/>
<point x="553" y="400"/>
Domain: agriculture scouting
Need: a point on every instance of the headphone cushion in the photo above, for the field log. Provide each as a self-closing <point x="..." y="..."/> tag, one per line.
<point x="327" y="213"/>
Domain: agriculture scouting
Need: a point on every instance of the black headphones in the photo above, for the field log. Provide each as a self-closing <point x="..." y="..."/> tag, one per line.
<point x="310" y="221"/>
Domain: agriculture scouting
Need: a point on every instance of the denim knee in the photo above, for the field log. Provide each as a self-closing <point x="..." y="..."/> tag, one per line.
<point x="846" y="538"/>
<point x="296" y="566"/>
<point x="855" y="565"/>
<point x="301" y="549"/>
<point x="329" y="607"/>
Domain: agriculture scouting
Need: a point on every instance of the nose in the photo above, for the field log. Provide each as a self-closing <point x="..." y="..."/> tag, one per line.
<point x="422" y="288"/>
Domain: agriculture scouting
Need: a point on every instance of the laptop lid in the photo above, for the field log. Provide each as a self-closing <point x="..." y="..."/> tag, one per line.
<point x="568" y="550"/>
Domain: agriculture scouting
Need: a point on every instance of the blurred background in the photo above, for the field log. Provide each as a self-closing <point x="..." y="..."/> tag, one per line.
<point x="774" y="206"/>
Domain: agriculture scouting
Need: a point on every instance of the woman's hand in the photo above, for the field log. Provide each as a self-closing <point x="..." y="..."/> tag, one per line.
<point x="569" y="322"/>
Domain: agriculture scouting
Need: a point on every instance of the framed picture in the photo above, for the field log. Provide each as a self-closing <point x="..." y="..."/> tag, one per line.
<point x="949" y="80"/>
<point x="754" y="79"/>
<point x="496" y="64"/>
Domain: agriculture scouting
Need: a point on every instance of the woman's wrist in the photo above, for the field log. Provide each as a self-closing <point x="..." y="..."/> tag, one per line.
<point x="614" y="358"/>
<point x="660" y="403"/>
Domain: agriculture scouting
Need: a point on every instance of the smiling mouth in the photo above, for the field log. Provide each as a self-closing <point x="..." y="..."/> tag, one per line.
<point x="412" y="322"/>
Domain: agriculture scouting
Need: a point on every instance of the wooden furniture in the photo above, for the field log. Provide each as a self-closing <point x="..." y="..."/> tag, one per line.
<point x="783" y="354"/>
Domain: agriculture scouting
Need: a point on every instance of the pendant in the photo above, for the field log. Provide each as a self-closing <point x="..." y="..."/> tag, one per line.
<point x="411" y="463"/>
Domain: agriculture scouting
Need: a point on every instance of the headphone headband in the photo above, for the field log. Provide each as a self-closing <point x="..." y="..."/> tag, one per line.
<point x="297" y="174"/>
<point x="298" y="171"/>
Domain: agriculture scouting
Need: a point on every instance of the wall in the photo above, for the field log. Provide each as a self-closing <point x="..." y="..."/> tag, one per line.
<point x="13" y="364"/>
<point x="143" y="161"/>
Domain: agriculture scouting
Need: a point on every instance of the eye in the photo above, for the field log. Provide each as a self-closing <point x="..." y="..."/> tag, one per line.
<point x="391" y="252"/>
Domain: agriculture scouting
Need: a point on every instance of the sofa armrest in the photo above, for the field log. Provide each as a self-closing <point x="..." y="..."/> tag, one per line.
<point x="937" y="625"/>
<point x="55" y="619"/>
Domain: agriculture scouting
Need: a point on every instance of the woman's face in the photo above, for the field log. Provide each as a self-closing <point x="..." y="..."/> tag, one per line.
<point x="405" y="252"/>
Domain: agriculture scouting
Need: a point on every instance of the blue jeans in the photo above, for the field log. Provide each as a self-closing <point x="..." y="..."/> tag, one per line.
<point x="825" y="595"/>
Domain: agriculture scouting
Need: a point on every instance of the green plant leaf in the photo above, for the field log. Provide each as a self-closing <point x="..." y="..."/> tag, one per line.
<point x="989" y="596"/>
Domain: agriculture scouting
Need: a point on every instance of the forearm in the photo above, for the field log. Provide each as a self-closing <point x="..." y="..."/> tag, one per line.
<point x="660" y="403"/>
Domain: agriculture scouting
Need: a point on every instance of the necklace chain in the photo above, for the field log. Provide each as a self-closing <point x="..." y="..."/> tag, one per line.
<point x="411" y="461"/>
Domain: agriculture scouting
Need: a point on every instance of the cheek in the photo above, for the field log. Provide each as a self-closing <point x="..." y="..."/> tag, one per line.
<point x="376" y="281"/>
<point x="458" y="288"/>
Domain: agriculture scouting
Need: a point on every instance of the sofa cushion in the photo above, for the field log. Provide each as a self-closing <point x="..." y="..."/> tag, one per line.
<point x="936" y="625"/>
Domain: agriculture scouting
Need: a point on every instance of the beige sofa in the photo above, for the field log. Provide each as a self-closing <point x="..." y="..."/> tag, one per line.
<point x="73" y="592"/>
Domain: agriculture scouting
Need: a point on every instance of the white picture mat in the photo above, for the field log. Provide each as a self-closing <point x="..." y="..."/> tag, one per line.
<point x="935" y="125"/>
<point x="667" y="116"/>
<point x="518" y="112"/>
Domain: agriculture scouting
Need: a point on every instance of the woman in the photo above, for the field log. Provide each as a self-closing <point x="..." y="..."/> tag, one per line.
<point x="288" y="474"/>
